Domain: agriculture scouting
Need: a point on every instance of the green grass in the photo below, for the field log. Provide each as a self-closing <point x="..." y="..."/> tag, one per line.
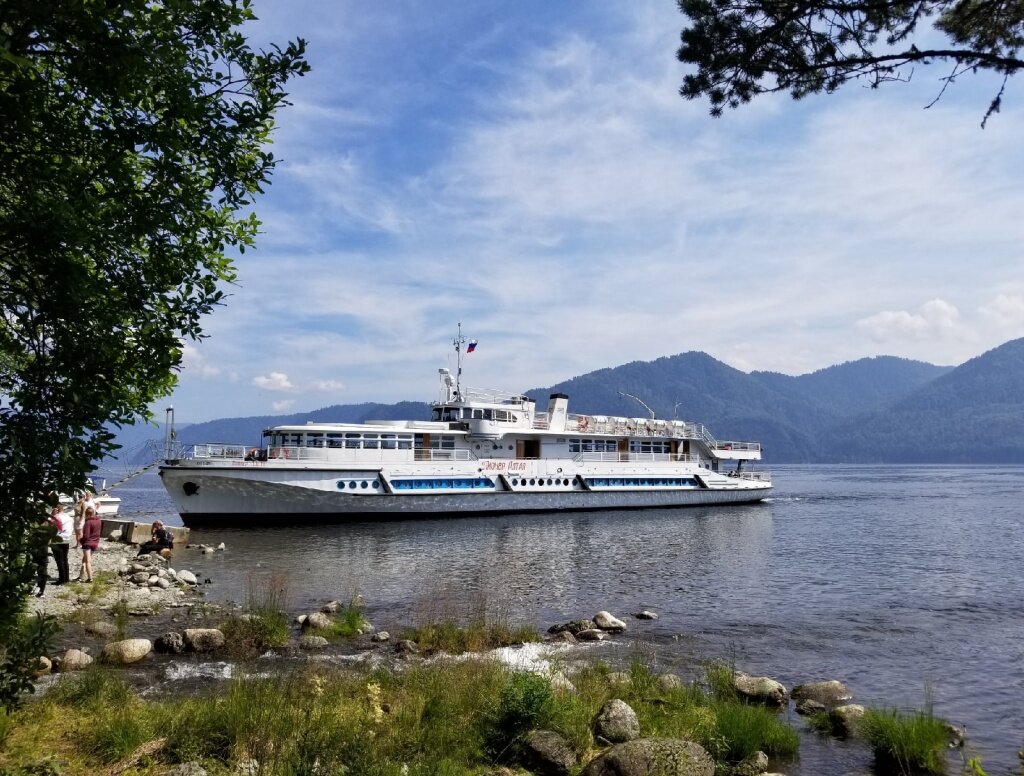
<point x="907" y="743"/>
<point x="477" y="636"/>
<point x="346" y="624"/>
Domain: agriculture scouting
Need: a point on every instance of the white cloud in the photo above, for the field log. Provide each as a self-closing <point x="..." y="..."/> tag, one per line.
<point x="194" y="362"/>
<point x="283" y="405"/>
<point x="936" y="319"/>
<point x="1005" y="311"/>
<point x="327" y="385"/>
<point x="275" y="381"/>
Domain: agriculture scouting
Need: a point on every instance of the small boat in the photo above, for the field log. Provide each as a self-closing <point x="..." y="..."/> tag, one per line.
<point x="107" y="505"/>
<point x="482" y="452"/>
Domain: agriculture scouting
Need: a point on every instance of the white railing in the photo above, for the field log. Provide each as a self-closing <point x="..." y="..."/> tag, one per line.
<point x="493" y="396"/>
<point x="617" y="457"/>
<point x="753" y="446"/>
<point x="219" y="451"/>
<point x="755" y="476"/>
<point x="279" y="454"/>
<point x="444" y="455"/>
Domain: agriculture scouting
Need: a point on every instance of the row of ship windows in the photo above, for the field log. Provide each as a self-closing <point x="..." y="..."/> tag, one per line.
<point x="460" y="483"/>
<point x="450" y="414"/>
<point x="362" y="441"/>
<point x="606" y="482"/>
<point x="611" y="446"/>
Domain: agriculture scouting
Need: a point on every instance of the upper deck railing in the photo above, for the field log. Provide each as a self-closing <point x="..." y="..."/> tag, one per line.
<point x="294" y="453"/>
<point x="493" y="396"/>
<point x="632" y="457"/>
<point x="640" y="427"/>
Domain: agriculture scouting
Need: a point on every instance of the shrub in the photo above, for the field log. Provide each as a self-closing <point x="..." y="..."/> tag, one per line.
<point x="907" y="743"/>
<point x="525" y="702"/>
<point x="741" y="730"/>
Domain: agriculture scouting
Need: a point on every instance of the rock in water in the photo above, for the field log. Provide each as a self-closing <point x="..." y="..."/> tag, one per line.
<point x="203" y="639"/>
<point x="310" y="641"/>
<point x="75" y="660"/>
<point x="830" y="693"/>
<point x="616" y="722"/>
<point x="607" y="622"/>
<point x="187" y="577"/>
<point x="317" y="620"/>
<point x="170" y="643"/>
<point x="126" y="652"/>
<point x="760" y="688"/>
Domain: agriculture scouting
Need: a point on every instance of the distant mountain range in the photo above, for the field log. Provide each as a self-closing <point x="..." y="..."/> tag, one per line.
<point x="882" y="409"/>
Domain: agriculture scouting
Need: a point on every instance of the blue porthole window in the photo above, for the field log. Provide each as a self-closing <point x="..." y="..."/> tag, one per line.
<point x="363" y="484"/>
<point x="352" y="485"/>
<point x="341" y="484"/>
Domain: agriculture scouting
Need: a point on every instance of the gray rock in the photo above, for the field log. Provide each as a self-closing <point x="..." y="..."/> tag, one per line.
<point x="309" y="641"/>
<point x="153" y="580"/>
<point x="652" y="757"/>
<point x="126" y="652"/>
<point x="170" y="643"/>
<point x="191" y="768"/>
<point x="203" y="639"/>
<point x="101" y="628"/>
<point x="761" y="689"/>
<point x="317" y="620"/>
<point x="332" y="607"/>
<point x="808" y="707"/>
<point x="593" y="634"/>
<point x="616" y="722"/>
<point x="140" y="578"/>
<point x="43" y="666"/>
<point x="547" y="753"/>
<point x="754" y="765"/>
<point x="407" y="647"/>
<point x="565" y="636"/>
<point x="607" y="622"/>
<point x="669" y="682"/>
<point x="619" y="678"/>
<point x="846" y="719"/>
<point x="646" y="615"/>
<point x="163" y="583"/>
<point x="301" y="619"/>
<point x="957" y="735"/>
<point x="381" y="636"/>
<point x="829" y="693"/>
<point x="560" y="683"/>
<point x="75" y="660"/>
<point x="115" y="535"/>
<point x="573" y="627"/>
<point x="221" y="547"/>
<point x="187" y="577"/>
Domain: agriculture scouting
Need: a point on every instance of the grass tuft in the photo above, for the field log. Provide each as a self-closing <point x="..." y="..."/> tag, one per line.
<point x="907" y="742"/>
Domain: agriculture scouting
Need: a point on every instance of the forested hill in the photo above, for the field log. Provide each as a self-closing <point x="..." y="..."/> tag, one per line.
<point x="881" y="409"/>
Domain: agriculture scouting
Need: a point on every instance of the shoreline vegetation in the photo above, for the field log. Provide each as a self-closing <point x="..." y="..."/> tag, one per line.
<point x="448" y="695"/>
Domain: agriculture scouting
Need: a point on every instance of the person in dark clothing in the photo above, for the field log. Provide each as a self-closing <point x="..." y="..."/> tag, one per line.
<point x="90" y="543"/>
<point x="160" y="539"/>
<point x="63" y="524"/>
<point x="41" y="554"/>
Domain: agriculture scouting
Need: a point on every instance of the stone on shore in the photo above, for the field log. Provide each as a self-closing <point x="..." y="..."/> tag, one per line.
<point x="407" y="647"/>
<point x="607" y="622"/>
<point x="203" y="639"/>
<point x="668" y="682"/>
<point x="829" y="693"/>
<point x="807" y="707"/>
<point x="187" y="577"/>
<point x="616" y="722"/>
<point x="331" y="607"/>
<point x="652" y="757"/>
<point x="380" y="636"/>
<point x="753" y="765"/>
<point x="761" y="689"/>
<point x="126" y="652"/>
<point x="547" y="753"/>
<point x="191" y="768"/>
<point x="310" y="642"/>
<point x="75" y="660"/>
<point x="43" y="666"/>
<point x="592" y="634"/>
<point x="101" y="628"/>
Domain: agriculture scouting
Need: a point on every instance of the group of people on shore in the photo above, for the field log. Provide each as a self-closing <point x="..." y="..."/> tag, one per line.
<point x="82" y="524"/>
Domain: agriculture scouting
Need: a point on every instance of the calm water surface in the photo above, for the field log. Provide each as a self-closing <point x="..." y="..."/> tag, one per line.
<point x="905" y="582"/>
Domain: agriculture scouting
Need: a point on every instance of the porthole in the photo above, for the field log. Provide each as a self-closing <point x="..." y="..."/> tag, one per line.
<point x="341" y="484"/>
<point x="549" y="482"/>
<point x="533" y="482"/>
<point x="352" y="485"/>
<point x="515" y="483"/>
<point x="376" y="483"/>
<point x="363" y="484"/>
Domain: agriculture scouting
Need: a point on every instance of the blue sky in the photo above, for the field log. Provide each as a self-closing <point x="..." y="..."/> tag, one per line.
<point x="529" y="170"/>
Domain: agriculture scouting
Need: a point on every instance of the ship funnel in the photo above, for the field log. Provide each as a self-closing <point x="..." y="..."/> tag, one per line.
<point x="558" y="406"/>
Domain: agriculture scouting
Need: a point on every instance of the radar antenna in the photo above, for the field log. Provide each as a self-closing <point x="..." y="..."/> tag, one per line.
<point x="458" y="342"/>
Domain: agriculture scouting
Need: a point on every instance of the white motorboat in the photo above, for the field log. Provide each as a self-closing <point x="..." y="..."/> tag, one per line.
<point x="482" y="452"/>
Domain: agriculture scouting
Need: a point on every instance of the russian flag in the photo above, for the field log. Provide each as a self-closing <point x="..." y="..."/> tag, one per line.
<point x="471" y="346"/>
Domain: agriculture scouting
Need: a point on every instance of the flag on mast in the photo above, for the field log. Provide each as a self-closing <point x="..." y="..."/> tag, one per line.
<point x="471" y="346"/>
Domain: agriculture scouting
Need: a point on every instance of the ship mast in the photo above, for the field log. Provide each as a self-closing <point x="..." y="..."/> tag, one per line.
<point x="459" y="341"/>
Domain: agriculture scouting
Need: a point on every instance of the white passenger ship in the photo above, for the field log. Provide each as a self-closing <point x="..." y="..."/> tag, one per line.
<point x="482" y="452"/>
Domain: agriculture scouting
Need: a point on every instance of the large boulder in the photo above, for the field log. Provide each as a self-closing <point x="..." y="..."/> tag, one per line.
<point x="547" y="753"/>
<point x="203" y="639"/>
<point x="122" y="653"/>
<point x="829" y="693"/>
<point x="75" y="660"/>
<point x="760" y="689"/>
<point x="310" y="642"/>
<point x="616" y="722"/>
<point x="187" y="577"/>
<point x="607" y="622"/>
<point x="592" y="634"/>
<point x="752" y="765"/>
<point x="652" y="757"/>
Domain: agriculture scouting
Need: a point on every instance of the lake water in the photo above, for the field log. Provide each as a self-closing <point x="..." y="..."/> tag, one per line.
<point x="905" y="582"/>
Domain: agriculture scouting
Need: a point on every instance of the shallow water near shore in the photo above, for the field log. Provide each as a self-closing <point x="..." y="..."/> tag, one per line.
<point x="905" y="582"/>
